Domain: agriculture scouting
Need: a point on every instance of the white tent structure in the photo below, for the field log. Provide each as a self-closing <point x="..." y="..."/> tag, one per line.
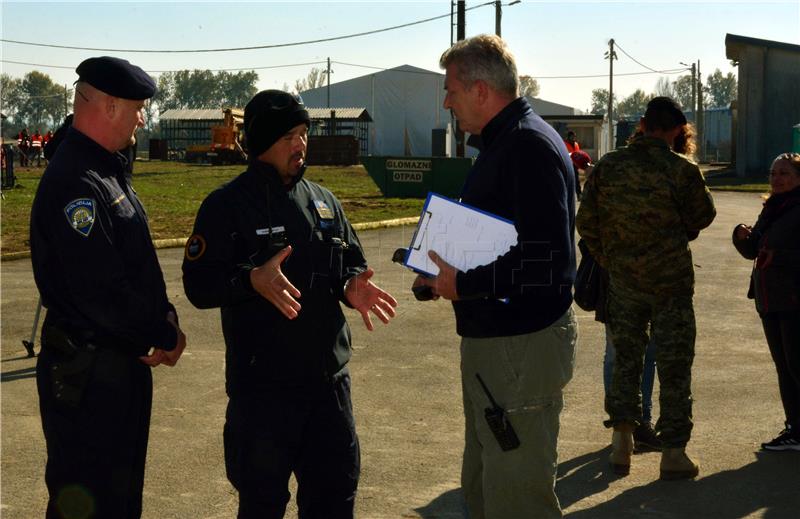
<point x="405" y="103"/>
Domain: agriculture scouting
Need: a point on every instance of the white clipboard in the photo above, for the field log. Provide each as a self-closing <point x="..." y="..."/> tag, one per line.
<point x="462" y="235"/>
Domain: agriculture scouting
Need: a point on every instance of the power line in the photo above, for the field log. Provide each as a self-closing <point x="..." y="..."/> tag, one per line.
<point x="666" y="72"/>
<point x="616" y="44"/>
<point x="670" y="71"/>
<point x="165" y="71"/>
<point x="423" y="72"/>
<point x="233" y="49"/>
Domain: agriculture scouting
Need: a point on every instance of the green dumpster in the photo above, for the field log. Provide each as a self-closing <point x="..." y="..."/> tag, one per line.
<point x="796" y="138"/>
<point x="414" y="177"/>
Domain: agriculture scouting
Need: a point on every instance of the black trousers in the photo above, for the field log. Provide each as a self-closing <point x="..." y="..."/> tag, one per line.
<point x="309" y="431"/>
<point x="783" y="337"/>
<point x="96" y="448"/>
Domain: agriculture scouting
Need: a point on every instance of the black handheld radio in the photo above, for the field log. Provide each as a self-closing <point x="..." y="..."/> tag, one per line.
<point x="498" y="422"/>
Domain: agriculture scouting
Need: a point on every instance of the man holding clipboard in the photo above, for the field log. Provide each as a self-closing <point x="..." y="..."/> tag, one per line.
<point x="513" y="314"/>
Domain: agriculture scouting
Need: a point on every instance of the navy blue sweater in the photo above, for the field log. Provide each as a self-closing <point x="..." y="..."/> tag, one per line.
<point x="523" y="173"/>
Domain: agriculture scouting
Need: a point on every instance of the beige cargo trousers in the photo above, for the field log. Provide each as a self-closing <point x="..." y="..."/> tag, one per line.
<point x="526" y="375"/>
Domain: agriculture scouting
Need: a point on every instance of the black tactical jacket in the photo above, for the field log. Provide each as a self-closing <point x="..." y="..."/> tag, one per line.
<point x="240" y="226"/>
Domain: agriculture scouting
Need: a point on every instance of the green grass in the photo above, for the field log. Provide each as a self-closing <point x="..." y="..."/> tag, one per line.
<point x="728" y="181"/>
<point x="172" y="192"/>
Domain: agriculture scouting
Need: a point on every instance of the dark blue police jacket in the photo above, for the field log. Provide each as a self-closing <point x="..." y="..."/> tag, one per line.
<point x="92" y="254"/>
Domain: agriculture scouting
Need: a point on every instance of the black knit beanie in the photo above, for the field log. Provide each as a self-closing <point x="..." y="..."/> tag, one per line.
<point x="269" y="116"/>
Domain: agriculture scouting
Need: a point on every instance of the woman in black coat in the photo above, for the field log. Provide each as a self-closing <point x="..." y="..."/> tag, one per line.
<point x="774" y="243"/>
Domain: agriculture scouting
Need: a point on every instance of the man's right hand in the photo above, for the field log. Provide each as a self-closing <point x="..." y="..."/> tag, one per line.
<point x="419" y="289"/>
<point x="743" y="231"/>
<point x="269" y="281"/>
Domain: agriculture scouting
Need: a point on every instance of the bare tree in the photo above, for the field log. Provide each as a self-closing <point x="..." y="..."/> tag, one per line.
<point x="528" y="86"/>
<point x="315" y="79"/>
<point x="664" y="87"/>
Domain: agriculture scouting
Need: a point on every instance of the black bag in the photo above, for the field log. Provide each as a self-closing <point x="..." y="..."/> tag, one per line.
<point x="587" y="280"/>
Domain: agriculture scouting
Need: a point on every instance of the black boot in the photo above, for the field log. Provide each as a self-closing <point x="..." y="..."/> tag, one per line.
<point x="645" y="439"/>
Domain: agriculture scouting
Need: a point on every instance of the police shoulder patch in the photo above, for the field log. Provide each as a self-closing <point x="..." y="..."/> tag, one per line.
<point x="195" y="247"/>
<point x="80" y="215"/>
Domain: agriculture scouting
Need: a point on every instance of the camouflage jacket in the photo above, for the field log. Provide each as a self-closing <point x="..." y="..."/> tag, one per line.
<point x="641" y="206"/>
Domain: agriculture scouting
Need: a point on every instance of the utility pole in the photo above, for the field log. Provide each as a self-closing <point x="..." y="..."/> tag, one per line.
<point x="329" y="82"/>
<point x="461" y="20"/>
<point x="66" y="110"/>
<point x="700" y="118"/>
<point x="611" y="56"/>
<point x="461" y="30"/>
<point x="694" y="92"/>
<point x="498" y="17"/>
<point x="452" y="5"/>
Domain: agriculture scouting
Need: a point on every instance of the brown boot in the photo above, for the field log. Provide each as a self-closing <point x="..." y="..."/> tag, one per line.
<point x="675" y="464"/>
<point x="621" y="449"/>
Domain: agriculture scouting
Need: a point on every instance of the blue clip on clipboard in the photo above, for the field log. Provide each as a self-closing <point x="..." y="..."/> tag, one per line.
<point x="464" y="236"/>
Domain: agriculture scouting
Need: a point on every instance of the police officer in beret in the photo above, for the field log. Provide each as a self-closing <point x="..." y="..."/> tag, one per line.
<point x="109" y="320"/>
<point x="275" y="252"/>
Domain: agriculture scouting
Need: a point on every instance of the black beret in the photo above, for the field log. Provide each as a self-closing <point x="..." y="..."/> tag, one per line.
<point x="665" y="110"/>
<point x="268" y="116"/>
<point x="117" y="77"/>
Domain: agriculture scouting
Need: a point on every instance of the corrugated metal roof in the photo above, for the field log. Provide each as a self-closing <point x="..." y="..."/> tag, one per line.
<point x="198" y="114"/>
<point x="352" y="114"/>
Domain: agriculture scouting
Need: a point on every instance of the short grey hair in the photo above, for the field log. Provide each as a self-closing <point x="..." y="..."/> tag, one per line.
<point x="485" y="57"/>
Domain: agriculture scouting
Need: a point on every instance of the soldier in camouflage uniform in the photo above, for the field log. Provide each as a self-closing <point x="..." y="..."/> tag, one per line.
<point x="641" y="206"/>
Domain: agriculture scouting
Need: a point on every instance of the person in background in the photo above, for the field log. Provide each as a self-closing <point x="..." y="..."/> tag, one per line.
<point x="582" y="163"/>
<point x="36" y="148"/>
<point x="275" y="252"/>
<point x="45" y="140"/>
<point x="23" y="144"/>
<point x="572" y="143"/>
<point x="774" y="243"/>
<point x="518" y="330"/>
<point x="641" y="206"/>
<point x="109" y="320"/>
<point x="55" y="139"/>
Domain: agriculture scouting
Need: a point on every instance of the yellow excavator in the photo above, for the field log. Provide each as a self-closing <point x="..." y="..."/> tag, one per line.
<point x="226" y="142"/>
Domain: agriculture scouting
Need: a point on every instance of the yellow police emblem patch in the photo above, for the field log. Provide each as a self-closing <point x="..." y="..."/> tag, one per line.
<point x="323" y="210"/>
<point x="80" y="215"/>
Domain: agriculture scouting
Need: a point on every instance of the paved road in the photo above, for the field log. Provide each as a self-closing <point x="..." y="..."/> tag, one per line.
<point x="408" y="407"/>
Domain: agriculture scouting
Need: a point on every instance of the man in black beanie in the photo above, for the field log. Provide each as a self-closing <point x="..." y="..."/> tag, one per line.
<point x="277" y="255"/>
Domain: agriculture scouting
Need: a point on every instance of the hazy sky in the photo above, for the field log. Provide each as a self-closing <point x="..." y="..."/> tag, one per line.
<point x="550" y="39"/>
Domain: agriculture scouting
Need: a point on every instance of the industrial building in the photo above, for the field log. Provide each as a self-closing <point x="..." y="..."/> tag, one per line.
<point x="768" y="101"/>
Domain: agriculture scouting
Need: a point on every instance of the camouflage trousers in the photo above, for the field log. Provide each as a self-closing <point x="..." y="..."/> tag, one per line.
<point x="630" y="313"/>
